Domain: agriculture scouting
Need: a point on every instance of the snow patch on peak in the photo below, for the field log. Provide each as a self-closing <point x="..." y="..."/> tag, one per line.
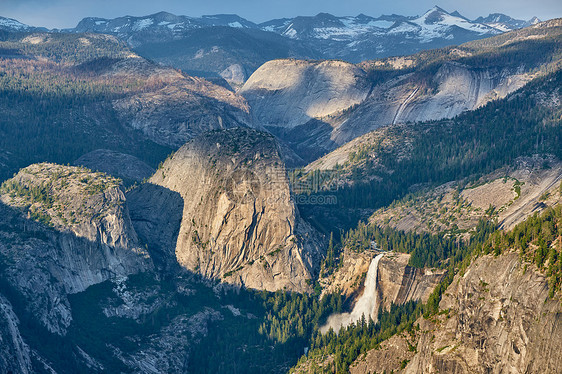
<point x="290" y="32"/>
<point x="142" y="24"/>
<point x="9" y="23"/>
<point x="437" y="23"/>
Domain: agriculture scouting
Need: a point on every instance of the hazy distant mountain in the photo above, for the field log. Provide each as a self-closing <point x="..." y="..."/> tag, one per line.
<point x="505" y="23"/>
<point x="362" y="37"/>
<point x="9" y="24"/>
<point x="163" y="24"/>
<point x="233" y="47"/>
<point x="434" y="24"/>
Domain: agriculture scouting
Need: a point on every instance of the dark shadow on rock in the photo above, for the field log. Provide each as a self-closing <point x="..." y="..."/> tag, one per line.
<point x="309" y="141"/>
<point x="156" y="213"/>
<point x="45" y="265"/>
<point x="40" y="271"/>
<point x="121" y="165"/>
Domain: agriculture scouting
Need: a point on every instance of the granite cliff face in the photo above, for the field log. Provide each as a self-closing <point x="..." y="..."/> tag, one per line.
<point x="156" y="215"/>
<point x="239" y="222"/>
<point x="15" y="355"/>
<point x="496" y="318"/>
<point x="400" y="282"/>
<point x="456" y="88"/>
<point x="397" y="282"/>
<point x="500" y="320"/>
<point x="322" y="105"/>
<point x="317" y="106"/>
<point x="288" y="93"/>
<point x="74" y="232"/>
<point x="73" y="270"/>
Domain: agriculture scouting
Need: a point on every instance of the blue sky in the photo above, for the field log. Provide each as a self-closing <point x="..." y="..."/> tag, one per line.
<point x="67" y="13"/>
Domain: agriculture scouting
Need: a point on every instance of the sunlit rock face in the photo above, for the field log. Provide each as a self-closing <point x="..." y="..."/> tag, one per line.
<point x="239" y="222"/>
<point x="288" y="93"/>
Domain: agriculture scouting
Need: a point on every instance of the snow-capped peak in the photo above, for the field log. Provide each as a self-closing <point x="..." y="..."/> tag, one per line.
<point x="9" y="24"/>
<point x="505" y="23"/>
<point x="437" y="23"/>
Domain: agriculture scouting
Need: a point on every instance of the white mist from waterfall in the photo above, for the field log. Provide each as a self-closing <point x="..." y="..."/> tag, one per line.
<point x="367" y="304"/>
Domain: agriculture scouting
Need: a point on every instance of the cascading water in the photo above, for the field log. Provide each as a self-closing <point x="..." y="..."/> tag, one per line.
<point x="367" y="304"/>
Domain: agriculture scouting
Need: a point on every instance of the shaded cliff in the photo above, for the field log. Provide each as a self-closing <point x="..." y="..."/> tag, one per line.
<point x="78" y="288"/>
<point x="156" y="214"/>
<point x="240" y="223"/>
<point x="15" y="355"/>
<point x="63" y="230"/>
<point x="121" y="165"/>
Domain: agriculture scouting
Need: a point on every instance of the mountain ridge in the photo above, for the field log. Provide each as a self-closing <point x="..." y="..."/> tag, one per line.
<point x="231" y="47"/>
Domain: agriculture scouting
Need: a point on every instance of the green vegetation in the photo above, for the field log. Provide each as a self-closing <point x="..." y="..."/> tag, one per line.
<point x="58" y="195"/>
<point x="426" y="250"/>
<point x="357" y="339"/>
<point x="61" y="108"/>
<point x="538" y="241"/>
<point x="293" y="317"/>
<point x="32" y="194"/>
<point x="465" y="148"/>
<point x="63" y="47"/>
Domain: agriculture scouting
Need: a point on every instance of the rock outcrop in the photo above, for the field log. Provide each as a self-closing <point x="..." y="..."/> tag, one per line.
<point x="174" y="107"/>
<point x="317" y="106"/>
<point x="390" y="356"/>
<point x="322" y="105"/>
<point x="288" y="93"/>
<point x="496" y="317"/>
<point x="74" y="232"/>
<point x="156" y="214"/>
<point x="397" y="282"/>
<point x="240" y="223"/>
<point x="509" y="195"/>
<point x="499" y="320"/>
<point x="400" y="282"/>
<point x="15" y="355"/>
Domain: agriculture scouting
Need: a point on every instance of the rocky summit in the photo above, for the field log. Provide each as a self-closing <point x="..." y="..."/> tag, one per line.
<point x="240" y="223"/>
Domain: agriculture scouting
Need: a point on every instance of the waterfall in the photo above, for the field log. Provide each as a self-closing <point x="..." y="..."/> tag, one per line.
<point x="366" y="305"/>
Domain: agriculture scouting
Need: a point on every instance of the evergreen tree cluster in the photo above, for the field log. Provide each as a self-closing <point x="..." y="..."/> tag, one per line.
<point x="295" y="317"/>
<point x="53" y="110"/>
<point x="471" y="145"/>
<point x="358" y="338"/>
<point x="538" y="240"/>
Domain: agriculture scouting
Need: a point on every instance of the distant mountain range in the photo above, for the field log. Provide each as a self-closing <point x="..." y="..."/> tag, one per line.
<point x="12" y="25"/>
<point x="232" y="47"/>
<point x="435" y="23"/>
